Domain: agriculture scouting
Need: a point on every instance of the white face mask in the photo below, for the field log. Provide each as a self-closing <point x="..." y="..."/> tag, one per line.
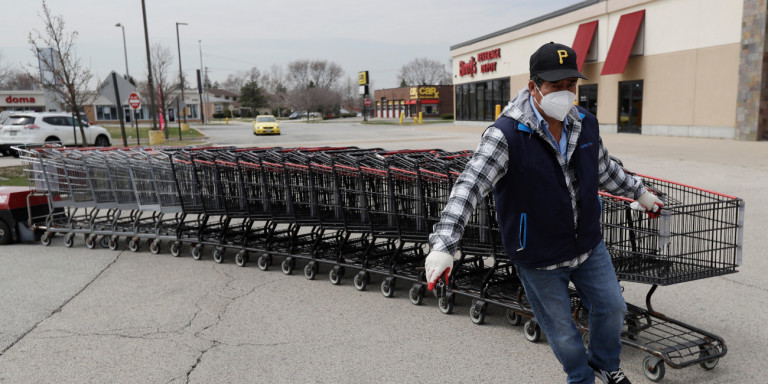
<point x="556" y="104"/>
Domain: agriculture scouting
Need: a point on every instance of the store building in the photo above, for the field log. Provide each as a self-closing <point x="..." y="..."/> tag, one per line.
<point x="655" y="67"/>
<point x="430" y="100"/>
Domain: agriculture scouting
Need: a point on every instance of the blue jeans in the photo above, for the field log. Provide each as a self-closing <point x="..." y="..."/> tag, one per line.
<point x="597" y="286"/>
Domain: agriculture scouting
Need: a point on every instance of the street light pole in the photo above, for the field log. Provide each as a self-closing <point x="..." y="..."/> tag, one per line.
<point x="127" y="75"/>
<point x="181" y="80"/>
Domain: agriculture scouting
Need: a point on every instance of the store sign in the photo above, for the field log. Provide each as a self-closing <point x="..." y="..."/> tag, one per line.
<point x="19" y="100"/>
<point x="469" y="68"/>
<point x="424" y="93"/>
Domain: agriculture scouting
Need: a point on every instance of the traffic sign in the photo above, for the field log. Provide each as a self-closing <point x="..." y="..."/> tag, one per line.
<point x="367" y="102"/>
<point x="134" y="101"/>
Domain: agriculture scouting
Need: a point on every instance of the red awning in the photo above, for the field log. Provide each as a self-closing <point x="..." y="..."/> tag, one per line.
<point x="583" y="40"/>
<point x="622" y="43"/>
<point x="430" y="101"/>
<point x="410" y="102"/>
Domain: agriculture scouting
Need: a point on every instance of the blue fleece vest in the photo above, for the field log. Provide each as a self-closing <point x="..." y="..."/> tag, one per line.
<point x="533" y="204"/>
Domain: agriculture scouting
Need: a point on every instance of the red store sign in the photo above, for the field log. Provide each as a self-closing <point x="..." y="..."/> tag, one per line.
<point x="19" y="100"/>
<point x="470" y="68"/>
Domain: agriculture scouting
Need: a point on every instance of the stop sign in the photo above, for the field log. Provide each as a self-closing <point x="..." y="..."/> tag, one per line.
<point x="134" y="101"/>
<point x="367" y="102"/>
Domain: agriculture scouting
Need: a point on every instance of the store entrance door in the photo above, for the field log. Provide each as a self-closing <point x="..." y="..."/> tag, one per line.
<point x="630" y="106"/>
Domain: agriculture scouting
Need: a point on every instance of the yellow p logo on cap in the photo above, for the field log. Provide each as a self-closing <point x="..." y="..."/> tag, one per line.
<point x="562" y="54"/>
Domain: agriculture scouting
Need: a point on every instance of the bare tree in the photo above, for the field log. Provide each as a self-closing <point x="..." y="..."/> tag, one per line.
<point x="423" y="71"/>
<point x="315" y="100"/>
<point x="162" y="61"/>
<point x="19" y="80"/>
<point x="275" y="88"/>
<point x="5" y="71"/>
<point x="313" y="74"/>
<point x="235" y="82"/>
<point x="350" y="95"/>
<point x="57" y="55"/>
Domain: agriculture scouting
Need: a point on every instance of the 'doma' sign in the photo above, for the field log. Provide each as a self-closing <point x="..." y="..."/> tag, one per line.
<point x="19" y="100"/>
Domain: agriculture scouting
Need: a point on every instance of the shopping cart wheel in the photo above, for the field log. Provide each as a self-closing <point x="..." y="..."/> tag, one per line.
<point x="653" y="367"/>
<point x="388" y="287"/>
<point x="241" y="258"/>
<point x="416" y="293"/>
<point x="45" y="238"/>
<point x="175" y="249"/>
<point x="133" y="244"/>
<point x="114" y="242"/>
<point x="705" y="351"/>
<point x="154" y="246"/>
<point x="477" y="311"/>
<point x="218" y="254"/>
<point x="361" y="280"/>
<point x="288" y="265"/>
<point x="90" y="241"/>
<point x="197" y="252"/>
<point x="532" y="330"/>
<point x="446" y="303"/>
<point x="265" y="261"/>
<point x="104" y="241"/>
<point x="310" y="270"/>
<point x="69" y="240"/>
<point x="336" y="273"/>
<point x="513" y="318"/>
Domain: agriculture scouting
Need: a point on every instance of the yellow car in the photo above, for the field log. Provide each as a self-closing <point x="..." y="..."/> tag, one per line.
<point x="266" y="125"/>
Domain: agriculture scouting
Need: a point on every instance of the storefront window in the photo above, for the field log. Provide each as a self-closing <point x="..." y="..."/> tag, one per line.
<point x="477" y="101"/>
<point x="588" y="97"/>
<point x="630" y="106"/>
<point x="106" y="112"/>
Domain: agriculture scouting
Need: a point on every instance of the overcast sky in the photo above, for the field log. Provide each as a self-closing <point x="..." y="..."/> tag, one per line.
<point x="235" y="35"/>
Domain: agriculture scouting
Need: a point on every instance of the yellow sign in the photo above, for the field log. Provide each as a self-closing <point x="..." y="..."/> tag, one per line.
<point x="362" y="78"/>
<point x="424" y="93"/>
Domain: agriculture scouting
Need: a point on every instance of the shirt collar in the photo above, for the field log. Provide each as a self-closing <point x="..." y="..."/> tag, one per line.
<point x="543" y="123"/>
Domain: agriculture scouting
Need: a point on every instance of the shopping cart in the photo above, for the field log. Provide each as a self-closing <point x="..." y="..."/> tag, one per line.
<point x="698" y="234"/>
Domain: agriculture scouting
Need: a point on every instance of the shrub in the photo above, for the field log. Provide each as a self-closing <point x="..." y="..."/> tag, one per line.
<point x="447" y="116"/>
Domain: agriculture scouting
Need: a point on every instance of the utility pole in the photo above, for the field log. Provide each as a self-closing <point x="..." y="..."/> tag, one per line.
<point x="200" y="84"/>
<point x="152" y="103"/>
<point x="181" y="81"/>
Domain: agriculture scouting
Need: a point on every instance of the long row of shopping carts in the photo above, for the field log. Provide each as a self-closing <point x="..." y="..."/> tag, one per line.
<point x="370" y="211"/>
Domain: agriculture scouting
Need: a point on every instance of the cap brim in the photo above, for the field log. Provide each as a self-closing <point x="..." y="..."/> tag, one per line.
<point x="559" y="74"/>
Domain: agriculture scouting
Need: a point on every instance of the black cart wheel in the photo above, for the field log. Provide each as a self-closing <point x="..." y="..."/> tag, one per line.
<point x="335" y="275"/>
<point x="241" y="258"/>
<point x="197" y="252"/>
<point x="416" y="294"/>
<point x="706" y="351"/>
<point x="133" y="244"/>
<point x="532" y="331"/>
<point x="175" y="249"/>
<point x="446" y="303"/>
<point x="45" y="238"/>
<point x="513" y="318"/>
<point x="154" y="246"/>
<point x="5" y="233"/>
<point x="288" y="265"/>
<point x="104" y="241"/>
<point x="653" y="367"/>
<point x="114" y="243"/>
<point x="264" y="262"/>
<point x="361" y="280"/>
<point x="218" y="254"/>
<point x="90" y="241"/>
<point x="477" y="312"/>
<point x="310" y="270"/>
<point x="69" y="240"/>
<point x="388" y="287"/>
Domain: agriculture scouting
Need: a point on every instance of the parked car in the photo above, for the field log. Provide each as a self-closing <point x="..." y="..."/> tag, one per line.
<point x="24" y="128"/>
<point x="297" y="115"/>
<point x="266" y="125"/>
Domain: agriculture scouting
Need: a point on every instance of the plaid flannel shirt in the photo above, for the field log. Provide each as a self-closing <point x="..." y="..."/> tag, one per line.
<point x="491" y="161"/>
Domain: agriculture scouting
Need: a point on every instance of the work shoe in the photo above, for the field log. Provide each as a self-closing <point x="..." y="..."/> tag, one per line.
<point x="614" y="377"/>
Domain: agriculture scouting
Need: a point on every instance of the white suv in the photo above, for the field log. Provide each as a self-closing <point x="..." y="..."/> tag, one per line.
<point x="22" y="128"/>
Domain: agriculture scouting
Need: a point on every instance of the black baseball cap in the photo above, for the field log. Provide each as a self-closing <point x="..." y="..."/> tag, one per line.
<point x="554" y="62"/>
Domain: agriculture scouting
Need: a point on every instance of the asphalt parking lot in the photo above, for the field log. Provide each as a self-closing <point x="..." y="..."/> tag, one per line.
<point x="98" y="316"/>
